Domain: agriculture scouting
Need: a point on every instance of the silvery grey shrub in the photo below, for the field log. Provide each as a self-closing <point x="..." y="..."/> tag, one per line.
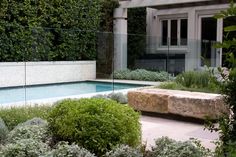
<point x="124" y="151"/>
<point x="34" y="132"/>
<point x="63" y="149"/>
<point x="35" y="121"/>
<point x="119" y="97"/>
<point x="24" y="148"/>
<point x="166" y="147"/>
<point x="3" y="131"/>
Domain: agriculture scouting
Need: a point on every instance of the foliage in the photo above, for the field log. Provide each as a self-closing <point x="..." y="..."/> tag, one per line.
<point x="24" y="148"/>
<point x="63" y="149"/>
<point x="34" y="132"/>
<point x="227" y="125"/>
<point x="177" y="86"/>
<point x="34" y="121"/>
<point x="3" y="131"/>
<point x="165" y="147"/>
<point x="105" y="43"/>
<point x="119" y="97"/>
<point x="198" y="80"/>
<point x="124" y="151"/>
<point x="96" y="124"/>
<point x="52" y="30"/>
<point x="16" y="115"/>
<point x="142" y="74"/>
<point x="171" y="85"/>
<point x="229" y="40"/>
<point x="107" y="9"/>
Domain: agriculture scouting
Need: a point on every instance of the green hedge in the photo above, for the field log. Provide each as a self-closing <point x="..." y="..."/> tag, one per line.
<point x="96" y="124"/>
<point x="54" y="30"/>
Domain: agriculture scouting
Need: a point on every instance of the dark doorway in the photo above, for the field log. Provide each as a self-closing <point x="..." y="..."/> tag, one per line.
<point x="208" y="39"/>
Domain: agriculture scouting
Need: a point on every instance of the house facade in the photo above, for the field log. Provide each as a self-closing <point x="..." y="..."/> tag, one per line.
<point x="180" y="33"/>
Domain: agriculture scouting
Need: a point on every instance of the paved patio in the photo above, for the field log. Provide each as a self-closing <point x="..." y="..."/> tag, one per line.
<point x="155" y="127"/>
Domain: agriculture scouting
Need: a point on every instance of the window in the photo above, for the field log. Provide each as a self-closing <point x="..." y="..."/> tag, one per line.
<point x="183" y="31"/>
<point x="175" y="32"/>
<point x="164" y="32"/>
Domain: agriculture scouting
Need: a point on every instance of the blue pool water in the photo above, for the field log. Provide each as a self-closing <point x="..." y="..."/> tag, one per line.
<point x="12" y="95"/>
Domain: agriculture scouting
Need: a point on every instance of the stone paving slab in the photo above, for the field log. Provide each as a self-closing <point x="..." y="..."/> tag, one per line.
<point x="155" y="127"/>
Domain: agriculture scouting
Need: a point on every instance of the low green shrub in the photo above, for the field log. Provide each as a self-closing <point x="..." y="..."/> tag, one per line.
<point x="16" y="115"/>
<point x="198" y="79"/>
<point x="124" y="151"/>
<point x="24" y="148"/>
<point x="170" y="85"/>
<point x="63" y="149"/>
<point x="34" y="132"/>
<point x="143" y="75"/>
<point x="177" y="86"/>
<point x="165" y="147"/>
<point x="194" y="79"/>
<point x="96" y="124"/>
<point x="3" y="131"/>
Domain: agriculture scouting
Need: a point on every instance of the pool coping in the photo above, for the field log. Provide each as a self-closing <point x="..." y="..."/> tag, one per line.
<point x="148" y="83"/>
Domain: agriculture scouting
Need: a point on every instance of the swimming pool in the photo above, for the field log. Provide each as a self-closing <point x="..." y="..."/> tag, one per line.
<point x="19" y="94"/>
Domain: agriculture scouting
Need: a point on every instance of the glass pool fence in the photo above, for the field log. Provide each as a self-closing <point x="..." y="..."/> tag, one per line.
<point x="46" y="64"/>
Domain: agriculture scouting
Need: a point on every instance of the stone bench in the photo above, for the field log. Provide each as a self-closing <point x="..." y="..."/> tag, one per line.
<point x="183" y="103"/>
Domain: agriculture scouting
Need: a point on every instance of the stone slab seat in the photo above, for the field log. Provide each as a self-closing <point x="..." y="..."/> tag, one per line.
<point x="183" y="103"/>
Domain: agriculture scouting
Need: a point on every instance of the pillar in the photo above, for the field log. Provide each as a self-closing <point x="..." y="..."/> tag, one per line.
<point x="120" y="38"/>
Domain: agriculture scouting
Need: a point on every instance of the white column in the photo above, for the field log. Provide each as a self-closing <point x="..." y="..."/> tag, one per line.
<point x="220" y="25"/>
<point x="191" y="57"/>
<point x="120" y="39"/>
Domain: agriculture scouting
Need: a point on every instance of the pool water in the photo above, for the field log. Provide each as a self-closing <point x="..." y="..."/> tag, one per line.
<point x="19" y="94"/>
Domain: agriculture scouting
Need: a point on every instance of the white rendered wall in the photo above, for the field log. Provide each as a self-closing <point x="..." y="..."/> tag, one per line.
<point x="35" y="73"/>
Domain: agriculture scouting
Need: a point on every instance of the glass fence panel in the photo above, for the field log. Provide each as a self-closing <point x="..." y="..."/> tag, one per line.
<point x="51" y="64"/>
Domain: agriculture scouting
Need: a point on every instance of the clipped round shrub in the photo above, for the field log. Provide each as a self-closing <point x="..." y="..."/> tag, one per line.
<point x="124" y="151"/>
<point x="3" y="131"/>
<point x="63" y="149"/>
<point x="25" y="148"/>
<point x="95" y="124"/>
<point x="165" y="147"/>
<point x="35" y="132"/>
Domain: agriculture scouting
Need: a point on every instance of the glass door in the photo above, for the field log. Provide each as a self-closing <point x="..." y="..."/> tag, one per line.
<point x="208" y="37"/>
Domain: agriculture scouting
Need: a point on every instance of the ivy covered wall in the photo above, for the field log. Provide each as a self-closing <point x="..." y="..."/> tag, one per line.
<point x="54" y="30"/>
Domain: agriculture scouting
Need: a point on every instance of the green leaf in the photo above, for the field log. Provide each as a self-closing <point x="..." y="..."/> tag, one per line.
<point x="230" y="28"/>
